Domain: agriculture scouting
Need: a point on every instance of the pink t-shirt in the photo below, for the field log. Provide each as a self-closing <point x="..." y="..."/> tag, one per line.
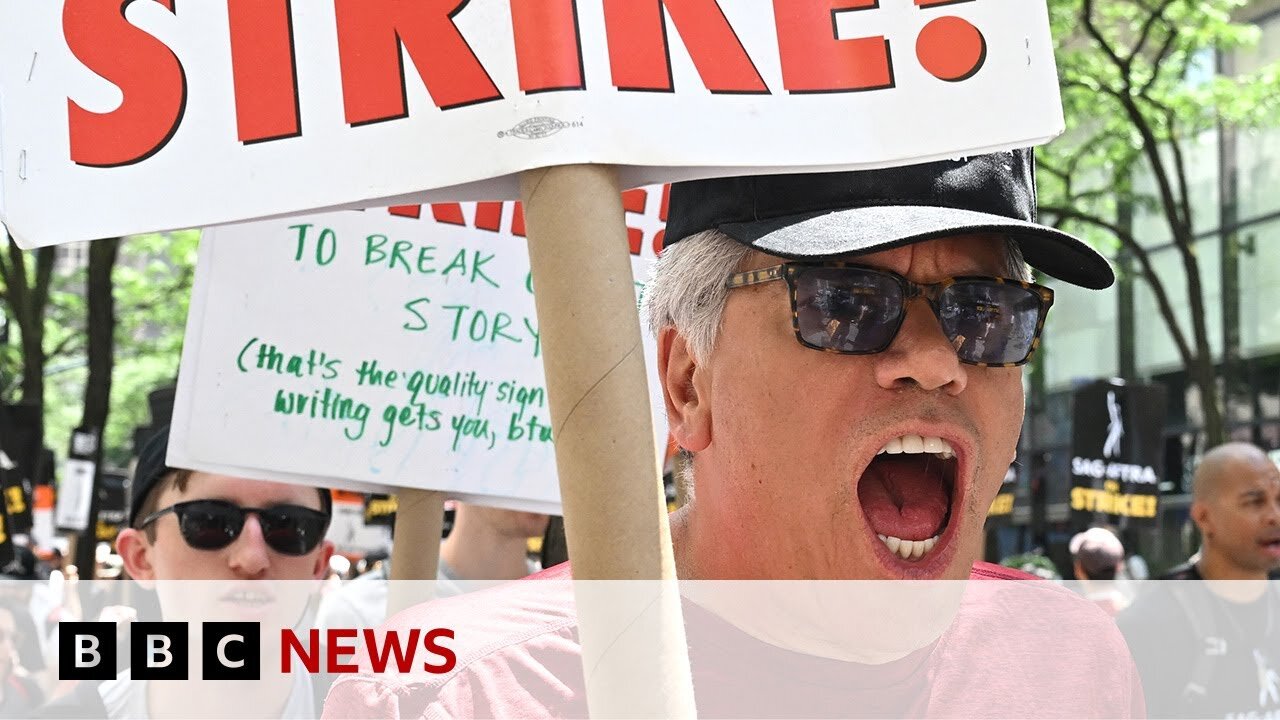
<point x="1022" y="649"/>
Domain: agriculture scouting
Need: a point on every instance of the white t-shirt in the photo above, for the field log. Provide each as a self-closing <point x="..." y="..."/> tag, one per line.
<point x="125" y="697"/>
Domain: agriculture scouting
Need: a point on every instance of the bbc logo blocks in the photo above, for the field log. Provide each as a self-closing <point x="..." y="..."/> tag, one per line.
<point x="160" y="651"/>
<point x="86" y="651"/>
<point x="230" y="651"/>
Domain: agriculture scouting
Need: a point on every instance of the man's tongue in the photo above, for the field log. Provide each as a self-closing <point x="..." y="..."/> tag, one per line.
<point x="905" y="496"/>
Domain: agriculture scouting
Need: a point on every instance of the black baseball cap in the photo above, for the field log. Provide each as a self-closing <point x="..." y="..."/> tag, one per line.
<point x="152" y="468"/>
<point x="821" y="215"/>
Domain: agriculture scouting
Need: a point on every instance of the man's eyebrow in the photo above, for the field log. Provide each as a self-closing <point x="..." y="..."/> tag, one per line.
<point x="1254" y="494"/>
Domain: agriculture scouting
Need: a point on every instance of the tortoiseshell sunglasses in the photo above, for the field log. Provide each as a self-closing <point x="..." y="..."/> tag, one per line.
<point x="856" y="310"/>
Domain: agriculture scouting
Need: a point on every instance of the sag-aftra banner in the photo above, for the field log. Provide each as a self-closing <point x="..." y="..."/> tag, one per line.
<point x="269" y="107"/>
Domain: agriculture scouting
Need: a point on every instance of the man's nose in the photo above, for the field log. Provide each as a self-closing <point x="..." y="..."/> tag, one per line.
<point x="921" y="356"/>
<point x="250" y="557"/>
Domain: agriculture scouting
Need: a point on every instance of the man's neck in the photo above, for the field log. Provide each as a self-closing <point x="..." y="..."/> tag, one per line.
<point x="474" y="552"/>
<point x="1214" y="566"/>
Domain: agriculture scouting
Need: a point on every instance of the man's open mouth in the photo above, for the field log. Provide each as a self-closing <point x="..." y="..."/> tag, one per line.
<point x="906" y="493"/>
<point x="248" y="597"/>
<point x="1271" y="545"/>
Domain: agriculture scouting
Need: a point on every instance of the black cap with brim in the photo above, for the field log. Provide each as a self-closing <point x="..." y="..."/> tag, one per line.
<point x="824" y="215"/>
<point x="149" y="471"/>
<point x="152" y="467"/>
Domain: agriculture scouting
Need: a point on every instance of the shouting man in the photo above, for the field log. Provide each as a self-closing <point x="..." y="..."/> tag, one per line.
<point x="840" y="354"/>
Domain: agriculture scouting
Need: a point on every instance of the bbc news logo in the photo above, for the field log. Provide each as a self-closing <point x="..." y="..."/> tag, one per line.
<point x="161" y="650"/>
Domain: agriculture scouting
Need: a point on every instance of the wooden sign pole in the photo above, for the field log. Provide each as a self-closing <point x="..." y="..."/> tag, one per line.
<point x="415" y="553"/>
<point x="634" y="652"/>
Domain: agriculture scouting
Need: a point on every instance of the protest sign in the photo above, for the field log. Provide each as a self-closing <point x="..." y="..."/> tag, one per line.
<point x="42" y="525"/>
<point x="21" y="462"/>
<point x="244" y="110"/>
<point x="113" y="506"/>
<point x="379" y="509"/>
<point x="1117" y="447"/>
<point x="348" y="530"/>
<point x="76" y="488"/>
<point x="377" y="350"/>
<point x="356" y="103"/>
<point x="75" y="491"/>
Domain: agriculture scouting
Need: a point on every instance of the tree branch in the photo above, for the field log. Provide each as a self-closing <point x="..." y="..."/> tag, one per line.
<point x="1151" y="148"/>
<point x="1145" y="33"/>
<point x="16" y="281"/>
<point x="1149" y="273"/>
<point x="45" y="257"/>
<point x="1180" y="169"/>
<point x="1086" y="19"/>
<point x="65" y="345"/>
<point x="181" y="284"/>
<point x="1160" y="57"/>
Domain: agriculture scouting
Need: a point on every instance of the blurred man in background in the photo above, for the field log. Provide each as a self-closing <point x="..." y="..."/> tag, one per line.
<point x="486" y="543"/>
<point x="20" y="694"/>
<point x="1096" y="557"/>
<point x="1213" y="649"/>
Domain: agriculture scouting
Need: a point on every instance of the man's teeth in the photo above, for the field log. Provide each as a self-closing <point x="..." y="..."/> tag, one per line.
<point x="908" y="549"/>
<point x="247" y="596"/>
<point x="917" y="444"/>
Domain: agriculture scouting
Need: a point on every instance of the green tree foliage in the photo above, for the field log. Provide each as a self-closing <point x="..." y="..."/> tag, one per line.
<point x="1140" y="87"/>
<point x="152" y="286"/>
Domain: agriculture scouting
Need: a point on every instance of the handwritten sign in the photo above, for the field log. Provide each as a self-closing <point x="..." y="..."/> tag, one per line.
<point x="375" y="350"/>
<point x="278" y="108"/>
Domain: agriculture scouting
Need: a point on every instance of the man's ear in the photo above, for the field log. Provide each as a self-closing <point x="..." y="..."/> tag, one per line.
<point x="322" y="560"/>
<point x="1200" y="516"/>
<point x="135" y="551"/>
<point x="688" y="411"/>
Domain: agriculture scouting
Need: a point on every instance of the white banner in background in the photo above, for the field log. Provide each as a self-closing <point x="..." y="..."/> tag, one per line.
<point x="370" y="351"/>
<point x="75" y="493"/>
<point x="119" y="118"/>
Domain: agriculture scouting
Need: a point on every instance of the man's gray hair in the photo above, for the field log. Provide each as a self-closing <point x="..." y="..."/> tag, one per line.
<point x="686" y="288"/>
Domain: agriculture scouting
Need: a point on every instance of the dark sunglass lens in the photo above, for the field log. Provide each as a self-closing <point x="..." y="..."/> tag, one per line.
<point x="209" y="526"/>
<point x="990" y="322"/>
<point x="849" y="310"/>
<point x="292" y="529"/>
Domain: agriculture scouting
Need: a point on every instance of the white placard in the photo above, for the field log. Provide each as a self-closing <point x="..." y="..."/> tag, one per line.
<point x="349" y="533"/>
<point x="149" y="116"/>
<point x="43" y="533"/>
<point x="75" y="491"/>
<point x="368" y="351"/>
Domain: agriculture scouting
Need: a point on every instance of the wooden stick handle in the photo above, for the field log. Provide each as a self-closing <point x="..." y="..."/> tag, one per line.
<point x="415" y="554"/>
<point x="634" y="653"/>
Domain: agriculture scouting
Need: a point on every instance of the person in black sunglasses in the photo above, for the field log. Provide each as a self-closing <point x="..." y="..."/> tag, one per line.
<point x="186" y="525"/>
<point x="840" y="355"/>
